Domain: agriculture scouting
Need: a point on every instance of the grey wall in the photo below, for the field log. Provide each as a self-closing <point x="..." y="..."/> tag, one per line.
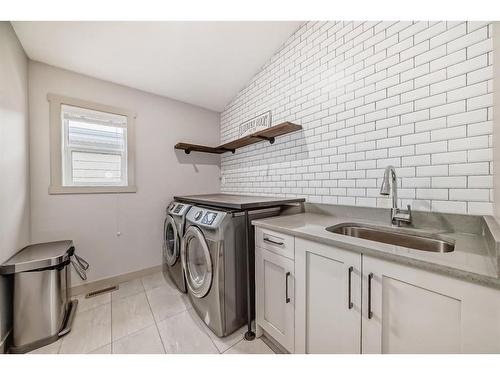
<point x="14" y="159"/>
<point x="93" y="220"/>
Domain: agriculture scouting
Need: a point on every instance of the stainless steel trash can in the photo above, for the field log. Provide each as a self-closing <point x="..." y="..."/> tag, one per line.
<point x="42" y="308"/>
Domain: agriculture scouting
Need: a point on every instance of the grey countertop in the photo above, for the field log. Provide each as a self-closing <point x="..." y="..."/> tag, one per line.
<point x="239" y="202"/>
<point x="472" y="260"/>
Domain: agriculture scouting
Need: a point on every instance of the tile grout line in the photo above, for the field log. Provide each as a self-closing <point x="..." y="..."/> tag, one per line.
<point x="127" y="296"/>
<point x="138" y="330"/>
<point x="203" y="329"/>
<point x="134" y="333"/>
<point x="77" y="312"/>
<point x="62" y="338"/>
<point x="82" y="312"/>
<point x="176" y="314"/>
<point x="156" y="321"/>
<point x="171" y="316"/>
<point x="208" y="335"/>
<point x="154" y="318"/>
<point x="236" y="343"/>
<point x="111" y="319"/>
<point x="111" y="307"/>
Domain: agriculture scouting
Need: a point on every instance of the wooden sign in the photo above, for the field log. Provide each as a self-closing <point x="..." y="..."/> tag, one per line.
<point x="256" y="124"/>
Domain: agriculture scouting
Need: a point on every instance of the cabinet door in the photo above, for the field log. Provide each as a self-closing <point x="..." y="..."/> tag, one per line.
<point x="328" y="299"/>
<point x="416" y="311"/>
<point x="274" y="279"/>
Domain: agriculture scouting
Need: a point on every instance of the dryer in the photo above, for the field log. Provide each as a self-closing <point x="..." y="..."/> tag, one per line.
<point x="214" y="262"/>
<point x="173" y="230"/>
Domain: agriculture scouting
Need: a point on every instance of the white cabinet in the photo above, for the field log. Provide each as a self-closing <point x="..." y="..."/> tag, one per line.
<point x="408" y="310"/>
<point x="345" y="302"/>
<point x="274" y="281"/>
<point x="279" y="243"/>
<point x="328" y="299"/>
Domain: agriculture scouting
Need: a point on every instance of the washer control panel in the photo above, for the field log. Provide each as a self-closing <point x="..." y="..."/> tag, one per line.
<point x="209" y="218"/>
<point x="198" y="215"/>
<point x="179" y="209"/>
<point x="205" y="217"/>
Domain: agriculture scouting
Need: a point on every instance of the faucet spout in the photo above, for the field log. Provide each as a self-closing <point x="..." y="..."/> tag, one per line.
<point x="390" y="183"/>
<point x="390" y="187"/>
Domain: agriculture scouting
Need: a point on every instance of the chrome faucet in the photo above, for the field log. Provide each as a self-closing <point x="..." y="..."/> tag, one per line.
<point x="389" y="183"/>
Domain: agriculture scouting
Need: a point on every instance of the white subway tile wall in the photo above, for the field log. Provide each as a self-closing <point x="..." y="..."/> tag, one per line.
<point x="417" y="95"/>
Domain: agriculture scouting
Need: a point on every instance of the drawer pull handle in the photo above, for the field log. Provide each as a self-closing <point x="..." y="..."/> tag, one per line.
<point x="370" y="313"/>
<point x="273" y="242"/>
<point x="350" y="304"/>
<point x="287" y="299"/>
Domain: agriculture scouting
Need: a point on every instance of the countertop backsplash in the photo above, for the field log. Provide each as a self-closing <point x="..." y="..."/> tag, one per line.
<point x="417" y="95"/>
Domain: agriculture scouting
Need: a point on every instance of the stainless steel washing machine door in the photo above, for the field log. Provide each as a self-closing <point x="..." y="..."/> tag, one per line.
<point x="196" y="262"/>
<point x="171" y="241"/>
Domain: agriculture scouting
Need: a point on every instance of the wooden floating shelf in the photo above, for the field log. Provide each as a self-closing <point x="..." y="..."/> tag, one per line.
<point x="268" y="134"/>
<point x="188" y="147"/>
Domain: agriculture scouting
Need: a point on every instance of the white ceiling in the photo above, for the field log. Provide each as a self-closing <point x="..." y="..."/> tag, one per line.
<point x="202" y="63"/>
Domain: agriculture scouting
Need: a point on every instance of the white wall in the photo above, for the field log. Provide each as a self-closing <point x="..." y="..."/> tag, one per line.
<point x="14" y="167"/>
<point x="93" y="220"/>
<point x="369" y="94"/>
<point x="496" y="133"/>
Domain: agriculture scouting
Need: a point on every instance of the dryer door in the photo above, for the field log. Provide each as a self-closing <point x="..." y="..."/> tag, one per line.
<point x="196" y="262"/>
<point x="170" y="241"/>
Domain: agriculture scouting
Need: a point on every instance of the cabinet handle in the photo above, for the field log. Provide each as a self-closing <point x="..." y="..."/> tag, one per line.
<point x="350" y="304"/>
<point x="287" y="299"/>
<point x="370" y="277"/>
<point x="273" y="242"/>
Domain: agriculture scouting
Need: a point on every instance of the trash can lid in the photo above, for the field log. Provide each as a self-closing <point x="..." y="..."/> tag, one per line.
<point x="36" y="256"/>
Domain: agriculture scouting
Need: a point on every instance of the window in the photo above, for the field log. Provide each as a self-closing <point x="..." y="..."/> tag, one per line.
<point x="94" y="148"/>
<point x="90" y="148"/>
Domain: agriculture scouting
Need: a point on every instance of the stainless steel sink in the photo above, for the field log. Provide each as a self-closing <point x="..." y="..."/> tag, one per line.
<point x="395" y="236"/>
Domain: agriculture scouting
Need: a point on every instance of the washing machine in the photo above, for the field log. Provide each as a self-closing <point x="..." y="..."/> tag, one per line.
<point x="173" y="230"/>
<point x="214" y="260"/>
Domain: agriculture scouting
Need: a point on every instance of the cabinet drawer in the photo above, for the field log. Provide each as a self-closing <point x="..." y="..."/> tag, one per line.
<point x="279" y="243"/>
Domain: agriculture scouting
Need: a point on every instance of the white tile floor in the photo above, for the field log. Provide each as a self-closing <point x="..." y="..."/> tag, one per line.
<point x="145" y="316"/>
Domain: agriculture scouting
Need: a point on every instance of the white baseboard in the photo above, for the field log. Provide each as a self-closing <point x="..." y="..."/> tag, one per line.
<point x="273" y="344"/>
<point x="104" y="283"/>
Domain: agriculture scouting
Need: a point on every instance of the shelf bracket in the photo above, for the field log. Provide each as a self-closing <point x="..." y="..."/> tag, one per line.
<point x="270" y="139"/>
<point x="227" y="149"/>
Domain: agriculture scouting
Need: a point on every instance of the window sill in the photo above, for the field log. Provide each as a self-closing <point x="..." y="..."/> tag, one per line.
<point x="91" y="189"/>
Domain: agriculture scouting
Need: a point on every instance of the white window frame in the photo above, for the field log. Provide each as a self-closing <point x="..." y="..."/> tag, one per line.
<point x="69" y="149"/>
<point x="56" y="148"/>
